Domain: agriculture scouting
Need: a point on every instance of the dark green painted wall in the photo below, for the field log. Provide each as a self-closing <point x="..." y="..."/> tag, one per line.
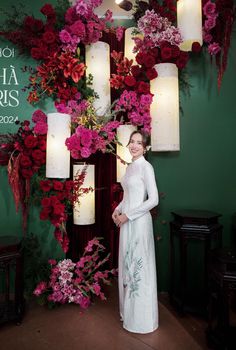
<point x="200" y="176"/>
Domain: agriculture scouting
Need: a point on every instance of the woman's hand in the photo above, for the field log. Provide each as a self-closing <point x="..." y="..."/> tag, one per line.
<point x="121" y="219"/>
<point x="114" y="216"/>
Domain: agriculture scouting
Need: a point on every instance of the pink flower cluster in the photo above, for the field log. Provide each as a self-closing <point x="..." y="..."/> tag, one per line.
<point x="71" y="282"/>
<point x="85" y="141"/>
<point x="156" y="29"/>
<point x="210" y="13"/>
<point x="137" y="107"/>
<point x="40" y="120"/>
<point x="82" y="24"/>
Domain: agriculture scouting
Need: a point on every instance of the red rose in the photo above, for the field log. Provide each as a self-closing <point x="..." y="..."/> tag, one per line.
<point x="149" y="61"/>
<point x="47" y="10"/>
<point x="151" y="73"/>
<point x="135" y="70"/>
<point x="175" y="51"/>
<point x="69" y="184"/>
<point x="196" y="47"/>
<point x="182" y="60"/>
<point x="25" y="161"/>
<point x="139" y="58"/>
<point x="49" y="37"/>
<point x="37" y="154"/>
<point x="166" y="53"/>
<point x="143" y="87"/>
<point x="45" y="185"/>
<point x="61" y="195"/>
<point x="130" y="80"/>
<point x="29" y="21"/>
<point x="58" y="209"/>
<point x="27" y="173"/>
<point x="30" y="141"/>
<point x="57" y="185"/>
<point x="42" y="145"/>
<point x="46" y="202"/>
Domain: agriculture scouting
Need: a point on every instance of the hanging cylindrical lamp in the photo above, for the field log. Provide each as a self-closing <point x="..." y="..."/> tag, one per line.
<point x="122" y="151"/>
<point x="129" y="45"/>
<point x="57" y="154"/>
<point x="189" y="22"/>
<point x="97" y="57"/>
<point x="165" y="108"/>
<point x="84" y="209"/>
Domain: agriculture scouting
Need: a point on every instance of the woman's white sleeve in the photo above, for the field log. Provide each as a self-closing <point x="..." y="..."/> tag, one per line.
<point x="152" y="192"/>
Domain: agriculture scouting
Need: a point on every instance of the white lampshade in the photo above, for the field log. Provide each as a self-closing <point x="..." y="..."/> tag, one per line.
<point x="165" y="108"/>
<point x="84" y="211"/>
<point x="129" y="45"/>
<point x="57" y="154"/>
<point x="189" y="22"/>
<point x="123" y="135"/>
<point x="97" y="57"/>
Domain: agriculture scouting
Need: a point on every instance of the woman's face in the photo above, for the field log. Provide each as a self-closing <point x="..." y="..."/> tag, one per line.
<point x="136" y="146"/>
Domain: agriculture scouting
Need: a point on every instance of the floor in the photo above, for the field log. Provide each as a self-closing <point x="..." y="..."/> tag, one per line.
<point x="98" y="328"/>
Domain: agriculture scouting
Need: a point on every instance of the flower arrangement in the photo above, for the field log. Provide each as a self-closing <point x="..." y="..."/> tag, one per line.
<point x="76" y="282"/>
<point x="57" y="200"/>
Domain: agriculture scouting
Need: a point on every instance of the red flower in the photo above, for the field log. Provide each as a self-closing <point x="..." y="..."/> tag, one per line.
<point x="175" y="51"/>
<point x="45" y="185"/>
<point x="57" y="185"/>
<point x="182" y="60"/>
<point x="130" y="80"/>
<point x="46" y="202"/>
<point x="58" y="208"/>
<point x="27" y="173"/>
<point x="69" y="184"/>
<point x="151" y="73"/>
<point x="42" y="145"/>
<point x="49" y="37"/>
<point x="47" y="10"/>
<point x="44" y="214"/>
<point x="140" y="58"/>
<point x="166" y="53"/>
<point x="117" y="81"/>
<point x="135" y="70"/>
<point x="30" y="141"/>
<point x="143" y="87"/>
<point x="25" y="161"/>
<point x="148" y="61"/>
<point x="38" y="155"/>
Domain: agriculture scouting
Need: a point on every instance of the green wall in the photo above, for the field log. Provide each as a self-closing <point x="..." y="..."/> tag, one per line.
<point x="200" y="176"/>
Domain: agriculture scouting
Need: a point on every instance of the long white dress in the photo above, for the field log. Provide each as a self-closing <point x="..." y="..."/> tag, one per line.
<point x="137" y="267"/>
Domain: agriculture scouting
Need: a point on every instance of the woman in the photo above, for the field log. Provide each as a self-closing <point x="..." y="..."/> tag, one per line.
<point x="137" y="267"/>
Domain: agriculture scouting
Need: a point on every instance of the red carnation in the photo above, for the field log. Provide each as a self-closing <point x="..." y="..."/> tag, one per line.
<point x="38" y="155"/>
<point x="166" y="53"/>
<point x="58" y="208"/>
<point x="143" y="87"/>
<point x="149" y="61"/>
<point x="42" y="145"/>
<point x="130" y="80"/>
<point x="196" y="47"/>
<point x="151" y="73"/>
<point x="46" y="202"/>
<point x="30" y="141"/>
<point x="57" y="185"/>
<point x="47" y="10"/>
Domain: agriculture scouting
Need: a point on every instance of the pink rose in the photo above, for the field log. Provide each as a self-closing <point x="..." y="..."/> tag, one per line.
<point x="214" y="48"/>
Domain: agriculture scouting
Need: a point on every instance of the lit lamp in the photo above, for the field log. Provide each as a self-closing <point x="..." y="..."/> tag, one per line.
<point x="165" y="108"/>
<point x="124" y="4"/>
<point x="57" y="154"/>
<point x="97" y="57"/>
<point x="189" y="22"/>
<point x="84" y="211"/>
<point x="129" y="44"/>
<point x="123" y="135"/>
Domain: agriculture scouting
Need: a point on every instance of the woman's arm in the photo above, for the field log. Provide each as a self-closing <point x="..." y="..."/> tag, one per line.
<point x="153" y="198"/>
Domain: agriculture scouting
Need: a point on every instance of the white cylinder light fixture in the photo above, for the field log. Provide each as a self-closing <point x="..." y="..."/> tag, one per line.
<point x="97" y="57"/>
<point x="129" y="45"/>
<point x="84" y="210"/>
<point x="189" y="22"/>
<point x="165" y="108"/>
<point x="57" y="154"/>
<point x="122" y="151"/>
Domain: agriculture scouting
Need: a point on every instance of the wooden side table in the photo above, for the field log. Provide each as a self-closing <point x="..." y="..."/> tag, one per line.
<point x="221" y="334"/>
<point x="11" y="265"/>
<point x="191" y="225"/>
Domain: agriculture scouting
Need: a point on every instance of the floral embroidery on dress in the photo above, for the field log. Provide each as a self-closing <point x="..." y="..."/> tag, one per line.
<point x="132" y="266"/>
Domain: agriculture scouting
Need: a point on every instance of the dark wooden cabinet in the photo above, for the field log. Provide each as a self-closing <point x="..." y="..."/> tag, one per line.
<point x="11" y="278"/>
<point x="189" y="226"/>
